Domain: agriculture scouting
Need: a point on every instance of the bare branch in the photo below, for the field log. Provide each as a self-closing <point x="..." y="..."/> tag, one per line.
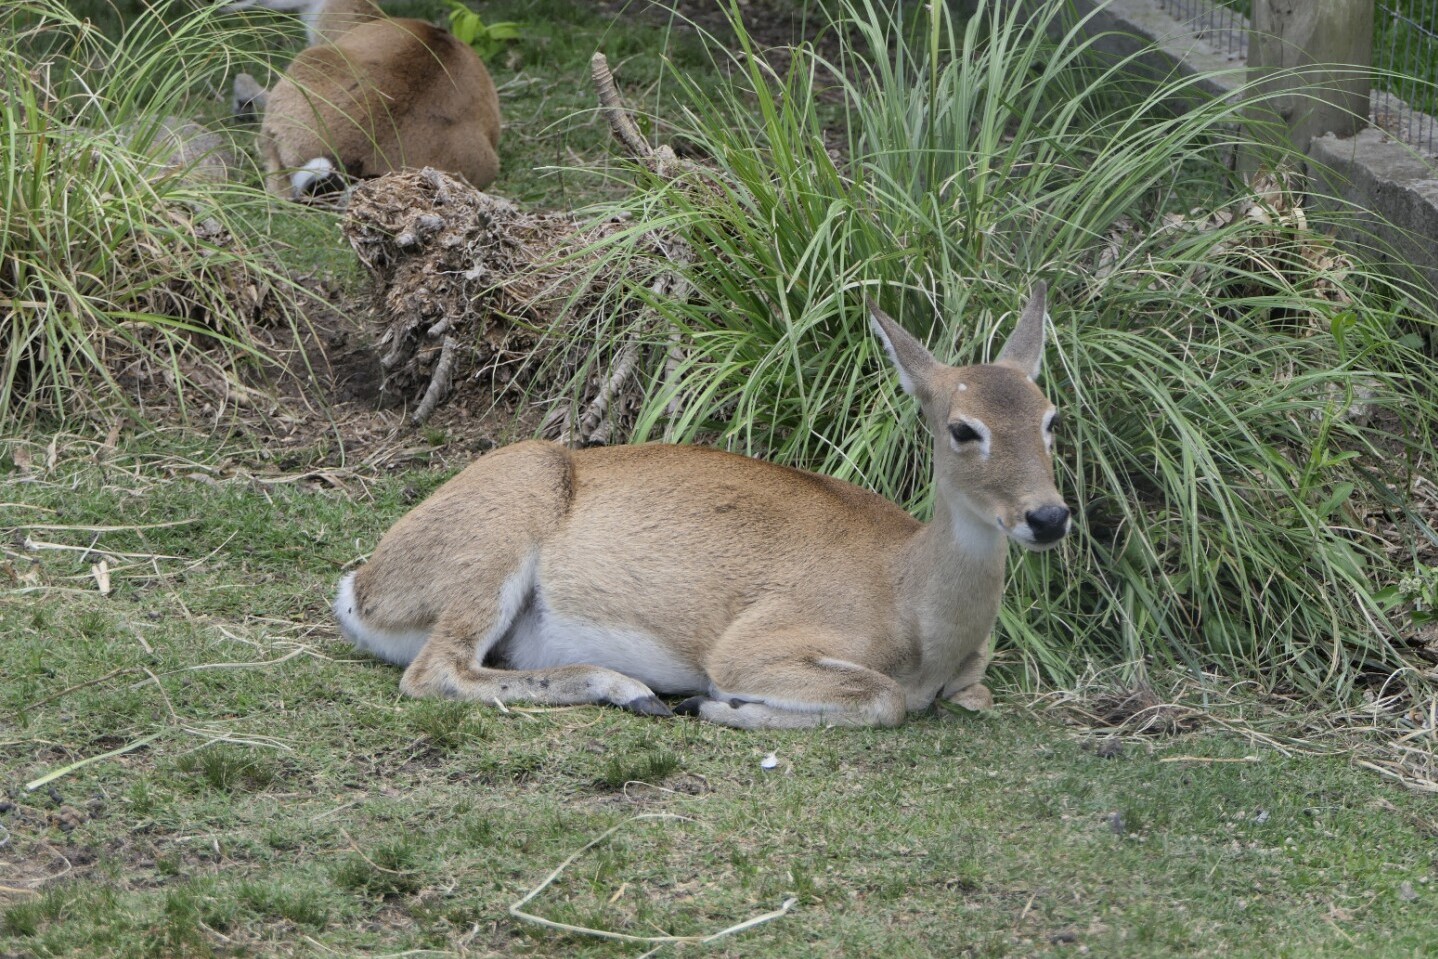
<point x="613" y="109"/>
<point x="439" y="383"/>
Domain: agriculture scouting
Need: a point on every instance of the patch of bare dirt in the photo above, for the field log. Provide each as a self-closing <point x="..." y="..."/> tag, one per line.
<point x="322" y="406"/>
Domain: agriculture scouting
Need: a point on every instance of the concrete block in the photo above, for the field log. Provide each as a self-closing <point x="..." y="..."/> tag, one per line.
<point x="1395" y="190"/>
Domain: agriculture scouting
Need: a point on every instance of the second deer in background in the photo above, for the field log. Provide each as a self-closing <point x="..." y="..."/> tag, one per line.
<point x="371" y="95"/>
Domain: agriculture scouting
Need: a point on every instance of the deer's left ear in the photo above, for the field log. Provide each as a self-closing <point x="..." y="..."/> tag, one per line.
<point x="1024" y="349"/>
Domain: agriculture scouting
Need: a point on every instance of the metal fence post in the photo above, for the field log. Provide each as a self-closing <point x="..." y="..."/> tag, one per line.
<point x="1309" y="60"/>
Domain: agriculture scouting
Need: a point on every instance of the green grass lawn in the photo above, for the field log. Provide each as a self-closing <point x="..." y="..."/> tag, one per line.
<point x="291" y="803"/>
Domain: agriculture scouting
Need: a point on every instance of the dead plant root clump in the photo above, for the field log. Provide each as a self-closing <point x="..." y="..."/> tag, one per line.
<point x="470" y="290"/>
<point x="474" y="295"/>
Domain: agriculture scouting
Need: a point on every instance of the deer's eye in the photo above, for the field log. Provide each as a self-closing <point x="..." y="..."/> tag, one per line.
<point x="1052" y="424"/>
<point x="963" y="432"/>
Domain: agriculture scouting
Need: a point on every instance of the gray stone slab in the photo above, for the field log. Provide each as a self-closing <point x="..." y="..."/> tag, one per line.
<point x="1395" y="190"/>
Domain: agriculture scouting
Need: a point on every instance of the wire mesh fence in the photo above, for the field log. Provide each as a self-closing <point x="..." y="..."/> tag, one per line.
<point x="1405" y="57"/>
<point x="1405" y="61"/>
<point x="1223" y="26"/>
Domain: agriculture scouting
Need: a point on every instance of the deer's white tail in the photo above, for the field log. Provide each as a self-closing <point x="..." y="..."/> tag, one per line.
<point x="399" y="648"/>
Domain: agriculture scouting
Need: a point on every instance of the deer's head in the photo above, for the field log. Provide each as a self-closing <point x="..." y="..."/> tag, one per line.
<point x="993" y="430"/>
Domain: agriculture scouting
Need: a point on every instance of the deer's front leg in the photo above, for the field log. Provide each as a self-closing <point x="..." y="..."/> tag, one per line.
<point x="754" y="687"/>
<point x="966" y="689"/>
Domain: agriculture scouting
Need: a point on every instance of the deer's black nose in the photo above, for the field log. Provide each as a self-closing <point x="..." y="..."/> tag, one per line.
<point x="1048" y="523"/>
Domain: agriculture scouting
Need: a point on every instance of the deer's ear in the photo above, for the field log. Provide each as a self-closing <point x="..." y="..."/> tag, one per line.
<point x="1024" y="349"/>
<point x="915" y="364"/>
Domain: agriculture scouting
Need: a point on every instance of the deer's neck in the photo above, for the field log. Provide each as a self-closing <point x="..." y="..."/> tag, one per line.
<point x="328" y="20"/>
<point x="953" y="581"/>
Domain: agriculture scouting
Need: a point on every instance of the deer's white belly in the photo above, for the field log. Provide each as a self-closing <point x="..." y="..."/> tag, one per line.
<point x="540" y="639"/>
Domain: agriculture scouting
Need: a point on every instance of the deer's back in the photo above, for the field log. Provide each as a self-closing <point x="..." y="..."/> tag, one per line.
<point x="674" y="540"/>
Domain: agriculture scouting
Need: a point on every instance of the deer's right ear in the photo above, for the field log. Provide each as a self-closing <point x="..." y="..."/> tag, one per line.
<point x="914" y="363"/>
<point x="1024" y="349"/>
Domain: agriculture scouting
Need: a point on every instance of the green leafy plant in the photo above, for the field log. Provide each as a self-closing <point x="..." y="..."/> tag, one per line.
<point x="646" y="766"/>
<point x="1418" y="592"/>
<point x="228" y="769"/>
<point x="1231" y="382"/>
<point x="390" y="869"/>
<point x="447" y="726"/>
<point x="486" y="38"/>
<point x="125" y="242"/>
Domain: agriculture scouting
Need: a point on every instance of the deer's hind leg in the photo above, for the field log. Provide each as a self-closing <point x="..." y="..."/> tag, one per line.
<point x="459" y="575"/>
<point x="451" y="665"/>
<point x="477" y="616"/>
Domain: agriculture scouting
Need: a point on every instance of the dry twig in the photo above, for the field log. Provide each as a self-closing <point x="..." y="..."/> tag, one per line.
<point x="518" y="912"/>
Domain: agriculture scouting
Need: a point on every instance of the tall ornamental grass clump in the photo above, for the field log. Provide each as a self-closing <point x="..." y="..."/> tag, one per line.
<point x="120" y="258"/>
<point x="1234" y="388"/>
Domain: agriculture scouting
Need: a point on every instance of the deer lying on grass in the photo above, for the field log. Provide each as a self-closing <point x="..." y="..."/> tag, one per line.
<point x="782" y="598"/>
<point x="369" y="96"/>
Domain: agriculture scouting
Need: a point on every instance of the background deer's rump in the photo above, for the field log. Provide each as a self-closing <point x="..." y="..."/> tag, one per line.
<point x="372" y="95"/>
